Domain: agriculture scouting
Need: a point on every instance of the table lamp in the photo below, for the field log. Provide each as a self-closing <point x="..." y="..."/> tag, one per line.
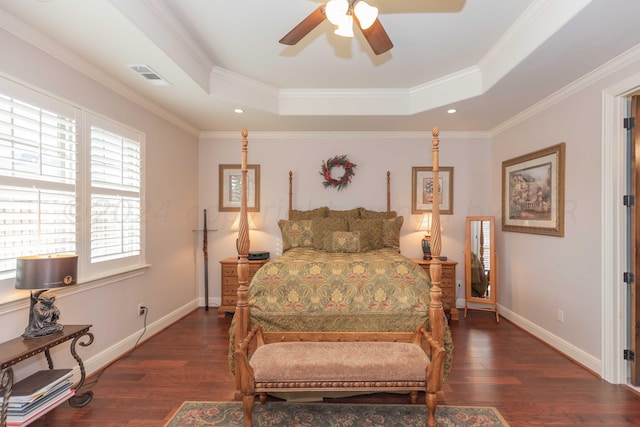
<point x="236" y="225"/>
<point x="425" y="225"/>
<point x="40" y="273"/>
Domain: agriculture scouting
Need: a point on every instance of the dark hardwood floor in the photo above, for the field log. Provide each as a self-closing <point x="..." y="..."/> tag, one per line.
<point x="495" y="364"/>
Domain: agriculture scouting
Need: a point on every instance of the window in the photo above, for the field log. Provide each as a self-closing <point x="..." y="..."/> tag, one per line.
<point x="486" y="247"/>
<point x="115" y="181"/>
<point x="52" y="177"/>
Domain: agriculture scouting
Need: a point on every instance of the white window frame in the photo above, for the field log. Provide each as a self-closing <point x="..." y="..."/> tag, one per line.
<point x="87" y="271"/>
<point x="96" y="270"/>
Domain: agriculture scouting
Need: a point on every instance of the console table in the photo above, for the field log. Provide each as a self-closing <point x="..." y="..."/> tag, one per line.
<point x="19" y="349"/>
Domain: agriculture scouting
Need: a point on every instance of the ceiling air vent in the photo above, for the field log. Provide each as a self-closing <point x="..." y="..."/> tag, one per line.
<point x="149" y="75"/>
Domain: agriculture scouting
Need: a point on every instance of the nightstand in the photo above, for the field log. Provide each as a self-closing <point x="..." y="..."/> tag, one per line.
<point x="229" y="282"/>
<point x="447" y="284"/>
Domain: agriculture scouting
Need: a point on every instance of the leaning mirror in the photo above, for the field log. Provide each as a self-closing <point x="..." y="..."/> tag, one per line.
<point x="481" y="272"/>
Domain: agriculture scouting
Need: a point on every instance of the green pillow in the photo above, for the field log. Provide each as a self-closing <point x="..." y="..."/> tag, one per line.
<point x="367" y="214"/>
<point x="323" y="229"/>
<point x="345" y="241"/>
<point x="310" y="214"/>
<point x="391" y="232"/>
<point x="296" y="234"/>
<point x="350" y="213"/>
<point x="370" y="232"/>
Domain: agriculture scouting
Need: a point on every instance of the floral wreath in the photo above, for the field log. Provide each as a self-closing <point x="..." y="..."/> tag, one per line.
<point x="345" y="179"/>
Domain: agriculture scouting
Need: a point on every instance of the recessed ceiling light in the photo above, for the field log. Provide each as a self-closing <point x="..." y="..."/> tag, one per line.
<point x="451" y="110"/>
<point x="238" y="110"/>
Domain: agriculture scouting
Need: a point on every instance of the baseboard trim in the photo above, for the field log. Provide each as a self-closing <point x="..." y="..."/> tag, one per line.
<point x="102" y="359"/>
<point x="570" y="351"/>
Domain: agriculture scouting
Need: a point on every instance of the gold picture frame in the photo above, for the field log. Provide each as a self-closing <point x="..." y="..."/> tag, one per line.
<point x="533" y="192"/>
<point x="230" y="186"/>
<point x="422" y="189"/>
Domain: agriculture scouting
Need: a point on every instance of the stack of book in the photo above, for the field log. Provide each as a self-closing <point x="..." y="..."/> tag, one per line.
<point x="37" y="394"/>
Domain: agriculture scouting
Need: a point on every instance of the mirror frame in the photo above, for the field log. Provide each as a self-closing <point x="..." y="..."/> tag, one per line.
<point x="484" y="304"/>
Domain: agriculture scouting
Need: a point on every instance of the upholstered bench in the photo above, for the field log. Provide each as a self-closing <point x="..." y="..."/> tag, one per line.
<point x="367" y="366"/>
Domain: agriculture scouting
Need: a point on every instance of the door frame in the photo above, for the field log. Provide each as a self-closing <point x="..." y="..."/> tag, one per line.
<point x="614" y="252"/>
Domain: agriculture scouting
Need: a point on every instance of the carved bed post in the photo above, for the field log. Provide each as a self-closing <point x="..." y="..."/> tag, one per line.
<point x="242" y="307"/>
<point x="435" y="269"/>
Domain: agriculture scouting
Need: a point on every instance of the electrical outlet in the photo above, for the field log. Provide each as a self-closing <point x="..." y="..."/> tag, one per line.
<point x="141" y="309"/>
<point x="560" y="316"/>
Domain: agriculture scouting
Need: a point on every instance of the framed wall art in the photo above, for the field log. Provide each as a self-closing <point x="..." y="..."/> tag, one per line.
<point x="422" y="189"/>
<point x="230" y="187"/>
<point x="533" y="192"/>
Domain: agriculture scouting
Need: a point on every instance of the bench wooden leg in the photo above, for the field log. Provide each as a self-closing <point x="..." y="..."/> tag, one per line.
<point x="414" y="396"/>
<point x="431" y="400"/>
<point x="263" y="398"/>
<point x="247" y="404"/>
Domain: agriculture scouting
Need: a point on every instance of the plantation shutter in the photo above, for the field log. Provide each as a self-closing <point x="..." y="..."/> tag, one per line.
<point x="38" y="172"/>
<point x="116" y="179"/>
<point x="486" y="231"/>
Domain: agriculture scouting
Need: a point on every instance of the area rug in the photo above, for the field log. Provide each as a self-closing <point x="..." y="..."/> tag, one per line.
<point x="332" y="414"/>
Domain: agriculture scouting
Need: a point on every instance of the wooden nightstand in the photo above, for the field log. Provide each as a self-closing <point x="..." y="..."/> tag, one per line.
<point x="229" y="282"/>
<point x="448" y="284"/>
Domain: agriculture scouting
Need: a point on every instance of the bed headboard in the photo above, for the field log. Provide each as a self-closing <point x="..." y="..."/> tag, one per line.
<point x="388" y="191"/>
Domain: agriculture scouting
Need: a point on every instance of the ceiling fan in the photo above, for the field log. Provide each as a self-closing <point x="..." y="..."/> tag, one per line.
<point x="343" y="14"/>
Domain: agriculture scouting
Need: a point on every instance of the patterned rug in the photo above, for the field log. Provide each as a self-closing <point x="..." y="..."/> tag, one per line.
<point x="332" y="414"/>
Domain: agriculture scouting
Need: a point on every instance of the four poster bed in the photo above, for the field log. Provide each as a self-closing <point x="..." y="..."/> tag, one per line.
<point x="341" y="278"/>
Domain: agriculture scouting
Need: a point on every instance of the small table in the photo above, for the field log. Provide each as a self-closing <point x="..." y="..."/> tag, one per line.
<point x="19" y="349"/>
<point x="229" y="282"/>
<point x="447" y="285"/>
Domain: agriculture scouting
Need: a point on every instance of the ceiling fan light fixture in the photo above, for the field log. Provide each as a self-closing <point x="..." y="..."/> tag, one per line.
<point x="345" y="28"/>
<point x="336" y="10"/>
<point x="365" y="13"/>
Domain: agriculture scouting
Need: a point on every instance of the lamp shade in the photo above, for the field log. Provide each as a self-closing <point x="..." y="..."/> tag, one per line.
<point x="46" y="271"/>
<point x="365" y="13"/>
<point x="236" y="223"/>
<point x="425" y="223"/>
<point x="335" y="10"/>
<point x="345" y="27"/>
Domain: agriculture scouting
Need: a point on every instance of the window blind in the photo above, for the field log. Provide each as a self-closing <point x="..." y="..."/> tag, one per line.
<point x="38" y="171"/>
<point x="70" y="182"/>
<point x="115" y="195"/>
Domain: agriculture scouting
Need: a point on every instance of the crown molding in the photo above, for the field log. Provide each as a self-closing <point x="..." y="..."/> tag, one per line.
<point x="241" y="90"/>
<point x="539" y="22"/>
<point x="18" y="29"/>
<point x="625" y="59"/>
<point x="156" y="21"/>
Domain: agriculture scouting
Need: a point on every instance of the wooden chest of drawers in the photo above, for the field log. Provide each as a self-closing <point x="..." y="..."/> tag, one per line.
<point x="229" y="282"/>
<point x="448" y="285"/>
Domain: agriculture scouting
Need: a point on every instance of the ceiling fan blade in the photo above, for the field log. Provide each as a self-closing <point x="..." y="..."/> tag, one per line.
<point x="304" y="27"/>
<point x="377" y="37"/>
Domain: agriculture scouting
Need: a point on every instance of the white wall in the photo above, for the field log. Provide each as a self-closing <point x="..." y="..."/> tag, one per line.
<point x="374" y="153"/>
<point x="540" y="274"/>
<point x="167" y="287"/>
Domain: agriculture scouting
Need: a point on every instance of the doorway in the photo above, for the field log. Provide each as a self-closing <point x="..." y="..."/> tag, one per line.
<point x="633" y="304"/>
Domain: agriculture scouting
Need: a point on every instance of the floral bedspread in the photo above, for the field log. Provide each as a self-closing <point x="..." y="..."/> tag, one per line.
<point x="310" y="290"/>
<point x="307" y="281"/>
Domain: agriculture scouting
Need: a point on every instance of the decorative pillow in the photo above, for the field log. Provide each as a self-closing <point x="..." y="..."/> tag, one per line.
<point x="322" y="230"/>
<point x="367" y="214"/>
<point x="370" y="232"/>
<point x="391" y="232"/>
<point x="296" y="234"/>
<point x="351" y="213"/>
<point x="310" y="214"/>
<point x="345" y="241"/>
